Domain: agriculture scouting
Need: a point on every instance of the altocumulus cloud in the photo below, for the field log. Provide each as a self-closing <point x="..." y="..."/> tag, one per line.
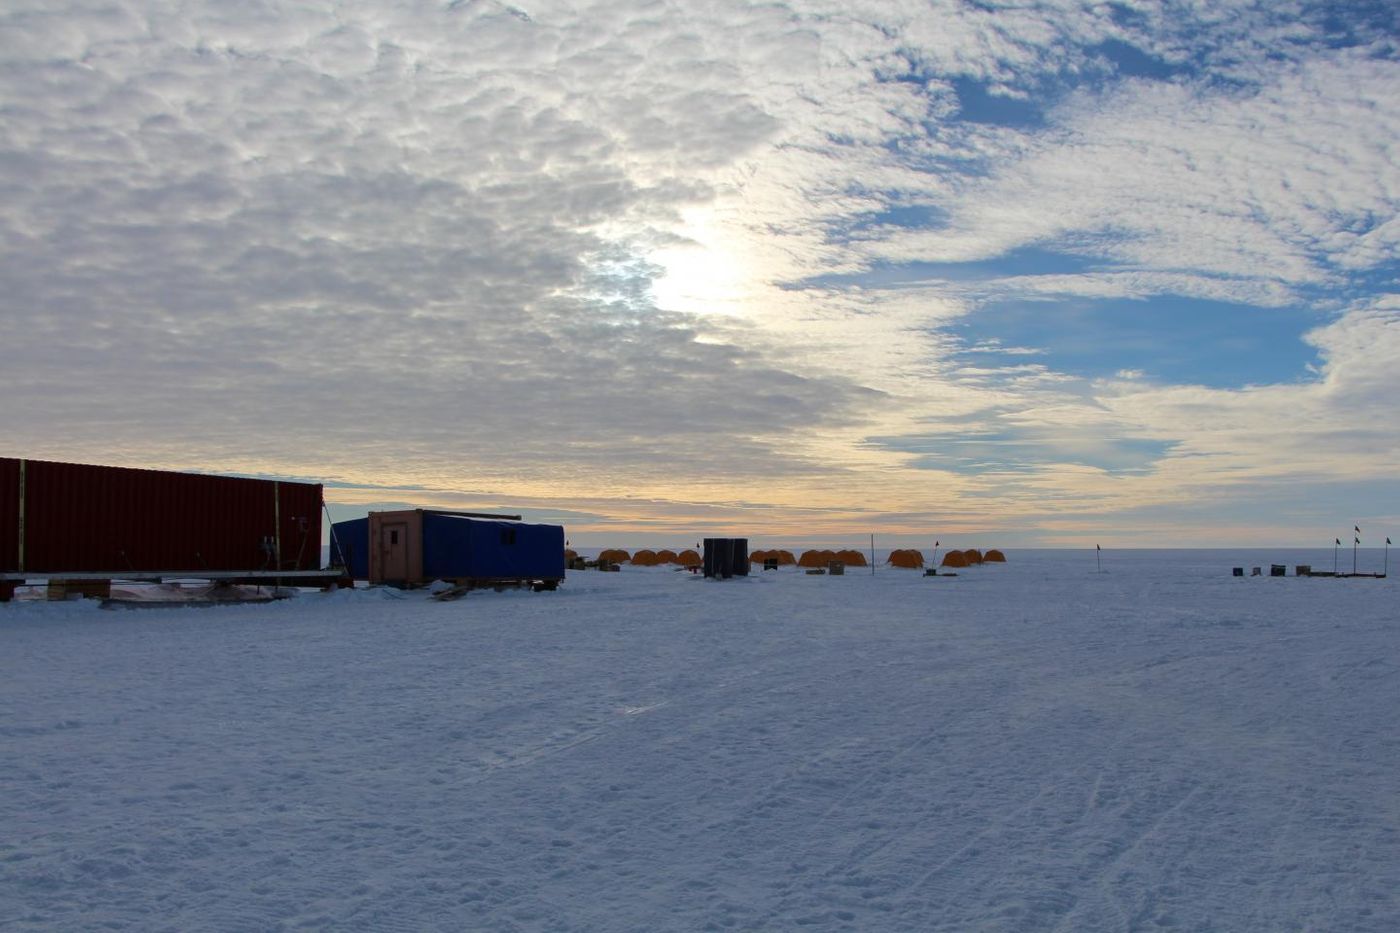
<point x="426" y="241"/>
<point x="394" y="229"/>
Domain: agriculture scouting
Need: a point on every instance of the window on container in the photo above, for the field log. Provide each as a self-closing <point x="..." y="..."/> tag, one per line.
<point x="393" y="537"/>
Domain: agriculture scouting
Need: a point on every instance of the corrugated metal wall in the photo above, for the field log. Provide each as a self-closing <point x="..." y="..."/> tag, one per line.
<point x="300" y="513"/>
<point x="353" y="537"/>
<point x="9" y="513"/>
<point x="94" y="518"/>
<point x="456" y="547"/>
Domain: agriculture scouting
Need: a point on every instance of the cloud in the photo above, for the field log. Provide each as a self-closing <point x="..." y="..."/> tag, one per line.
<point x="700" y="253"/>
<point x="1285" y="184"/>
<point x="384" y="229"/>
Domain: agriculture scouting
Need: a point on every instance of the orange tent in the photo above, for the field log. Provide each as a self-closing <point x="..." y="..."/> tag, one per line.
<point x="784" y="558"/>
<point x="908" y="558"/>
<point x="614" y="555"/>
<point x="852" y="558"/>
<point x="816" y="558"/>
<point x="973" y="556"/>
<point x="954" y="559"/>
<point x="666" y="556"/>
<point x="994" y="557"/>
<point x="688" y="558"/>
<point x="644" y="558"/>
<point x="570" y="553"/>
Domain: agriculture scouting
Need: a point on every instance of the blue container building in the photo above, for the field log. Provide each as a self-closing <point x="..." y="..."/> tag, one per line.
<point x="350" y="547"/>
<point x="417" y="546"/>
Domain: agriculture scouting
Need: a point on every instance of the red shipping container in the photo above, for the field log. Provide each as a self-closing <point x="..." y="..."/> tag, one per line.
<point x="9" y="514"/>
<point x="78" y="518"/>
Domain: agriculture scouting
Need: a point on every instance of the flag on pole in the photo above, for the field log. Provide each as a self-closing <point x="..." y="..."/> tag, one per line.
<point x="1339" y="541"/>
<point x="1097" y="548"/>
<point x="1356" y="528"/>
<point x="1355" y="540"/>
<point x="1387" y="540"/>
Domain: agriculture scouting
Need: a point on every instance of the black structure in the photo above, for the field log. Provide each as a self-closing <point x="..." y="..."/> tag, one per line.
<point x="726" y="557"/>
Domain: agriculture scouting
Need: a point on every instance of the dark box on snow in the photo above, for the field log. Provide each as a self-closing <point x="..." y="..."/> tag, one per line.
<point x="726" y="557"/>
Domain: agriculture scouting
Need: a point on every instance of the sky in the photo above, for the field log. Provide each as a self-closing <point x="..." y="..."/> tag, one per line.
<point x="1034" y="273"/>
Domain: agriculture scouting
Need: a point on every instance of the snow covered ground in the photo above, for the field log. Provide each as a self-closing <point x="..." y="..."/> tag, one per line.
<point x="1026" y="747"/>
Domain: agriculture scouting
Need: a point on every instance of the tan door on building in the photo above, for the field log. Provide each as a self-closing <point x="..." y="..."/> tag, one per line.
<point x="393" y="550"/>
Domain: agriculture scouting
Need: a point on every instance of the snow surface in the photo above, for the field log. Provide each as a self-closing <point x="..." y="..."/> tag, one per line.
<point x="1032" y="746"/>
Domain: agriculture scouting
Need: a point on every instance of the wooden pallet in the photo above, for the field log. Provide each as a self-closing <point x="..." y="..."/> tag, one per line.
<point x="461" y="587"/>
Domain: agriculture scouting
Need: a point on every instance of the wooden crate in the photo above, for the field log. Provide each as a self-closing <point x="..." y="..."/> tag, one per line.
<point x="88" y="589"/>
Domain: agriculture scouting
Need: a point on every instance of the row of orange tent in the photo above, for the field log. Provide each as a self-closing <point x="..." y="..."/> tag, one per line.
<point x="972" y="557"/>
<point x="910" y="558"/>
<point x="851" y="558"/>
<point x="645" y="557"/>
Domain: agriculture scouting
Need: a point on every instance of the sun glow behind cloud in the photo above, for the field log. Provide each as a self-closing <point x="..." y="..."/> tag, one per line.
<point x="709" y="271"/>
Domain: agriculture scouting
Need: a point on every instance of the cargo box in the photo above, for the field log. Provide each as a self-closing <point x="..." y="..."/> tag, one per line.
<point x="726" y="557"/>
<point x="57" y="518"/>
<point x="415" y="547"/>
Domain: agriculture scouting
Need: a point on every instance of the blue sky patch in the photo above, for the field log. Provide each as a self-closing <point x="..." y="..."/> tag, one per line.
<point x="1349" y="23"/>
<point x="1020" y="450"/>
<point x="1029" y="260"/>
<point x="1167" y="338"/>
<point x="1379" y="279"/>
<point x="977" y="104"/>
<point x="1132" y="62"/>
<point x="914" y="216"/>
